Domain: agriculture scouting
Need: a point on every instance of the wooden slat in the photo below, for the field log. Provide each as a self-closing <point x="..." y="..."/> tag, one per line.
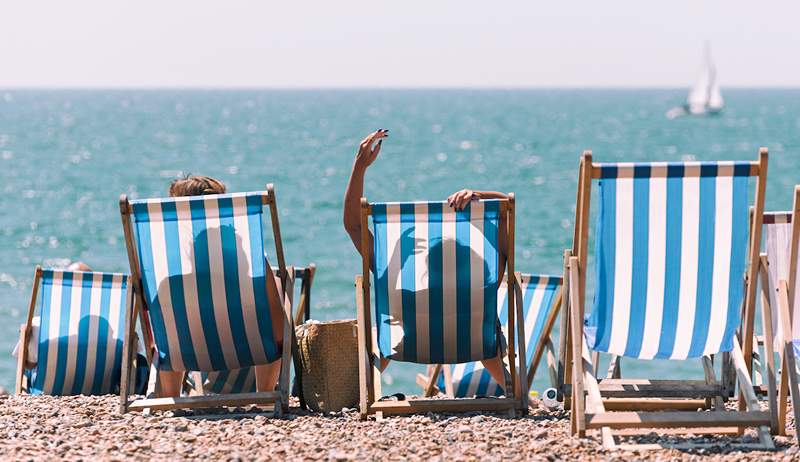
<point x="191" y="402"/>
<point x="672" y="419"/>
<point x="653" y="404"/>
<point x="625" y="388"/>
<point x="418" y="406"/>
<point x="678" y="431"/>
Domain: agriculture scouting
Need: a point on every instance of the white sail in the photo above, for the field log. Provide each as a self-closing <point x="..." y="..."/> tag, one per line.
<point x="705" y="95"/>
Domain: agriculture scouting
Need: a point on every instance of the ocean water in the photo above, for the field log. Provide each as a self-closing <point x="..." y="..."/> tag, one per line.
<point x="66" y="156"/>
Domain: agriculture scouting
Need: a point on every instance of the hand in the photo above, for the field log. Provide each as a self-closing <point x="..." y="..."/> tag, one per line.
<point x="459" y="199"/>
<point x="366" y="152"/>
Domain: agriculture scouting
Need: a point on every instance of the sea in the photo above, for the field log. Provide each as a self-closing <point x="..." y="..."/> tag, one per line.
<point x="67" y="155"/>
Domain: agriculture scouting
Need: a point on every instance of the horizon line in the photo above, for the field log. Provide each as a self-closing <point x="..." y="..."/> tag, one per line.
<point x="375" y="87"/>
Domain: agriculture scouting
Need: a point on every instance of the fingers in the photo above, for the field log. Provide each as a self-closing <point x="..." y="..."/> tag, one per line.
<point x="461" y="199"/>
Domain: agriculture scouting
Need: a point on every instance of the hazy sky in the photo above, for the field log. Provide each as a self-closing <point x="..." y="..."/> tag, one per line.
<point x="232" y="43"/>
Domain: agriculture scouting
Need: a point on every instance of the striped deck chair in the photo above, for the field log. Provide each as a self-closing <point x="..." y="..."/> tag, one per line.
<point x="199" y="269"/>
<point x="540" y="298"/>
<point x="436" y="288"/>
<point x="671" y="251"/>
<point x="779" y="302"/>
<point x="244" y="380"/>
<point x="80" y="336"/>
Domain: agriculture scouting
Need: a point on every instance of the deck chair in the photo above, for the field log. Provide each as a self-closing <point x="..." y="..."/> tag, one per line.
<point x="244" y="380"/>
<point x="436" y="288"/>
<point x="671" y="247"/>
<point x="80" y="336"/>
<point x="540" y="298"/>
<point x="779" y="302"/>
<point x="200" y="279"/>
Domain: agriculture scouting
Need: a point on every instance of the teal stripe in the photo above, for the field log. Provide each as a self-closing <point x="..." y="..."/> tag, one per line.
<point x="81" y="359"/>
<point x="490" y="278"/>
<point x="641" y="232"/>
<point x="672" y="263"/>
<point x="260" y="274"/>
<point x="103" y="329"/>
<point x="63" y="336"/>
<point x="381" y="280"/>
<point x="435" y="277"/>
<point x="463" y="283"/>
<point x="705" y="262"/>
<point x="37" y="387"/>
<point x="601" y="317"/>
<point x="407" y="281"/>
<point x="739" y="244"/>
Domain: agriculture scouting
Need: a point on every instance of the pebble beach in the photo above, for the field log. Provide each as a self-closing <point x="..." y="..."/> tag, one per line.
<point x="90" y="428"/>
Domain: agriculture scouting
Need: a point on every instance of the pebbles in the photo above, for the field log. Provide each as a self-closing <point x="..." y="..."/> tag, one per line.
<point x="85" y="427"/>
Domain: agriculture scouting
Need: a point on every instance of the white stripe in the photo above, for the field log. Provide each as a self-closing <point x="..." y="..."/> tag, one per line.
<point x="246" y="289"/>
<point x="535" y="307"/>
<point x="113" y="321"/>
<point x="421" y="283"/>
<point x="94" y="324"/>
<point x="502" y="292"/>
<point x="393" y="253"/>
<point x="449" y="284"/>
<point x="689" y="247"/>
<point x="161" y="275"/>
<point x="72" y="332"/>
<point x="218" y="284"/>
<point x="52" y="334"/>
<point x="656" y="265"/>
<point x="458" y="375"/>
<point x="623" y="261"/>
<point x="475" y="379"/>
<point x="189" y="278"/>
<point x="477" y="264"/>
<point x="723" y="223"/>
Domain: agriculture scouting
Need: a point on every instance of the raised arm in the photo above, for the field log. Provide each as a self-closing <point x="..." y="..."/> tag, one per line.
<point x="368" y="151"/>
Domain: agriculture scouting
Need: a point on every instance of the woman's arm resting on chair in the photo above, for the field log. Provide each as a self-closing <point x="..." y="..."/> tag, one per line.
<point x="367" y="153"/>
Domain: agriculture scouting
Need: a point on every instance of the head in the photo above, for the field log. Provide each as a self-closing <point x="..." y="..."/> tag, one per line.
<point x="195" y="185"/>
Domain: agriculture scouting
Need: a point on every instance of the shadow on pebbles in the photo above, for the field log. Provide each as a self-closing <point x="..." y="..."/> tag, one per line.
<point x="89" y="427"/>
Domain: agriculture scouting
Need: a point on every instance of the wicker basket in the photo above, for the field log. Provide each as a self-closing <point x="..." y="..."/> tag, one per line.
<point x="328" y="353"/>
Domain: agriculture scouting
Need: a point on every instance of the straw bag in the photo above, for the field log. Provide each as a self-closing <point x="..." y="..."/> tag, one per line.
<point x="328" y="353"/>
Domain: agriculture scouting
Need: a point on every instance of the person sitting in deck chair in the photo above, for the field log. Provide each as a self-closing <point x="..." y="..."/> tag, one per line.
<point x="267" y="375"/>
<point x="368" y="151"/>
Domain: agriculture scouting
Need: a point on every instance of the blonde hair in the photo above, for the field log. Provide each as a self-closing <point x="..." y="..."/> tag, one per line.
<point x="195" y="185"/>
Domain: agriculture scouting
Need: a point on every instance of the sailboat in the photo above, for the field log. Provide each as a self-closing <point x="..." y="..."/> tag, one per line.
<point x="705" y="97"/>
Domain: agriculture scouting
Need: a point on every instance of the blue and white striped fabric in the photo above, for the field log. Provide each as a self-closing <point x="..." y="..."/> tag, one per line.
<point x="81" y="334"/>
<point x="671" y="244"/>
<point x="436" y="281"/>
<point x="204" y="279"/>
<point x="538" y="297"/>
<point x="778" y="243"/>
<point x="227" y="382"/>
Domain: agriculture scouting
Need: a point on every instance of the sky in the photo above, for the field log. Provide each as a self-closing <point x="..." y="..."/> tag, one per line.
<point x="413" y="43"/>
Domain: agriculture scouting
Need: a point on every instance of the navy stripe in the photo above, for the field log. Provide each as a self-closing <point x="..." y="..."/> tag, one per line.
<point x="602" y="313"/>
<point x="739" y="244"/>
<point x="483" y="383"/>
<point x="435" y="275"/>
<point x="81" y="359"/>
<point x="260" y="273"/>
<point x="463" y="283"/>
<point x="230" y="255"/>
<point x="407" y="275"/>
<point x="672" y="265"/>
<point x="63" y="335"/>
<point x="638" y="303"/>
<point x="119" y="336"/>
<point x="705" y="264"/>
<point x="490" y="278"/>
<point x="381" y="280"/>
<point x="102" y="335"/>
<point x="202" y="272"/>
<point x="175" y="282"/>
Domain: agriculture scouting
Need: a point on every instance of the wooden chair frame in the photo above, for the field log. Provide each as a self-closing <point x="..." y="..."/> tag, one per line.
<point x="25" y="333"/>
<point x="592" y="403"/>
<point x="278" y="398"/>
<point x="369" y="357"/>
<point x="785" y="312"/>
<point x="543" y="346"/>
